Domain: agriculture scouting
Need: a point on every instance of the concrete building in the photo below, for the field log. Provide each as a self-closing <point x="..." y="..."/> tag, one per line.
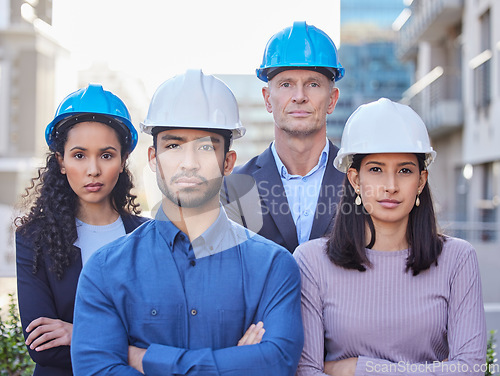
<point x="253" y="115"/>
<point x="455" y="47"/>
<point x="367" y="52"/>
<point x="30" y="57"/>
<point x="36" y="73"/>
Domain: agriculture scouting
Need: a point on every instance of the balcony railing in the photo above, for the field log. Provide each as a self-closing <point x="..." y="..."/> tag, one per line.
<point x="429" y="20"/>
<point x="437" y="98"/>
<point x="474" y="232"/>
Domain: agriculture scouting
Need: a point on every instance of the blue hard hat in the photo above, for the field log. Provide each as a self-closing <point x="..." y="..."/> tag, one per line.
<point x="93" y="103"/>
<point x="303" y="46"/>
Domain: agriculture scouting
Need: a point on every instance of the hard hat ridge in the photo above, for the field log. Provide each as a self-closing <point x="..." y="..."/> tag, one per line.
<point x="300" y="45"/>
<point x="383" y="126"/>
<point x="194" y="100"/>
<point x="92" y="103"/>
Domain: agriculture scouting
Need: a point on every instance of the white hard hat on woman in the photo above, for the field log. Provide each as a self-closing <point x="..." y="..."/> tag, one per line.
<point x="383" y="126"/>
<point x="417" y="293"/>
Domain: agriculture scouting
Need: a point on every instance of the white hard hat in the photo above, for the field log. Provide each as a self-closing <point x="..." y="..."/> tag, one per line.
<point x="383" y="127"/>
<point x="194" y="100"/>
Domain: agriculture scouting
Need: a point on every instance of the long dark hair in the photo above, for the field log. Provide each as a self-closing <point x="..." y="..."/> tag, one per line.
<point x="52" y="205"/>
<point x="346" y="246"/>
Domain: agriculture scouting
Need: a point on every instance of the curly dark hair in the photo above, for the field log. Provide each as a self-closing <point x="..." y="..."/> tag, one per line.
<point x="52" y="206"/>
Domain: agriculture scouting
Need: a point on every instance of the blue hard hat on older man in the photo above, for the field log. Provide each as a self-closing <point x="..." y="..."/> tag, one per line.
<point x="300" y="46"/>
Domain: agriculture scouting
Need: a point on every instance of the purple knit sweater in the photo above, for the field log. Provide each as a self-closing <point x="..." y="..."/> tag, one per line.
<point x="395" y="323"/>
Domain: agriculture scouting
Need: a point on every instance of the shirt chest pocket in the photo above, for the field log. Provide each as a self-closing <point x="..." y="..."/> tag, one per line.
<point x="230" y="327"/>
<point x="152" y="322"/>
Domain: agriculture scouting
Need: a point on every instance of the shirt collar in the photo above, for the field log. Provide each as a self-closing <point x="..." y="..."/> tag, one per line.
<point x="208" y="243"/>
<point x="323" y="158"/>
<point x="169" y="230"/>
<point x="211" y="241"/>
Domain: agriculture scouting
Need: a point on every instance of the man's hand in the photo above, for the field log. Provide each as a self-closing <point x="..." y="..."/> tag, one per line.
<point x="344" y="367"/>
<point x="253" y="335"/>
<point x="47" y="333"/>
<point x="135" y="355"/>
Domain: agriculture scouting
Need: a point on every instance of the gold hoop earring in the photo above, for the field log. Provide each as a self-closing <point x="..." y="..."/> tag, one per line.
<point x="417" y="201"/>
<point x="357" y="201"/>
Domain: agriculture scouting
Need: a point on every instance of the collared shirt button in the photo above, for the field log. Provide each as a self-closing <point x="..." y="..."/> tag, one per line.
<point x="194" y="312"/>
<point x="154" y="312"/>
<point x="306" y="212"/>
<point x="192" y="262"/>
<point x="304" y="180"/>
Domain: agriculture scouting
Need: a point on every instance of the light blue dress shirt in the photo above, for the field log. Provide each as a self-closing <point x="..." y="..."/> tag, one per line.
<point x="149" y="289"/>
<point x="302" y="192"/>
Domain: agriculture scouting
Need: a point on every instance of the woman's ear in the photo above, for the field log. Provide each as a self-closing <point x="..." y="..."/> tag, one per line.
<point x="124" y="162"/>
<point x="424" y="174"/>
<point x="60" y="160"/>
<point x="353" y="177"/>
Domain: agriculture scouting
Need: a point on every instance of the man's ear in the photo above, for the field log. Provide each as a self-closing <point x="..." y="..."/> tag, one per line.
<point x="266" y="94"/>
<point x="229" y="162"/>
<point x="60" y="160"/>
<point x="334" y="97"/>
<point x="152" y="158"/>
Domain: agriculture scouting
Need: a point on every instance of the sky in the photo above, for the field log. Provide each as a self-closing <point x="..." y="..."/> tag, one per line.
<point x="155" y="39"/>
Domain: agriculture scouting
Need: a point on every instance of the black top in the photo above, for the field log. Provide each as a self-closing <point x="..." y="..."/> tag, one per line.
<point x="43" y="295"/>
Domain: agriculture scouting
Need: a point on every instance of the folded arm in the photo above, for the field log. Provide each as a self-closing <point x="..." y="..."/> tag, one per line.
<point x="38" y="309"/>
<point x="277" y="353"/>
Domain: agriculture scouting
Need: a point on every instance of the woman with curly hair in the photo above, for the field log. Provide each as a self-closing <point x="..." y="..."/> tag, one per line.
<point x="386" y="293"/>
<point x="79" y="201"/>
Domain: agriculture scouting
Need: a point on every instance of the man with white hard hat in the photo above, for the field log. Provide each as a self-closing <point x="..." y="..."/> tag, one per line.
<point x="192" y="292"/>
<point x="298" y="187"/>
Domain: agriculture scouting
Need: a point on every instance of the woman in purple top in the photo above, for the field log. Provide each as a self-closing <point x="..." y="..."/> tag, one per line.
<point x="386" y="294"/>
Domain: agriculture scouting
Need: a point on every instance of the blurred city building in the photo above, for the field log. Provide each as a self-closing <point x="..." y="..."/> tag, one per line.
<point x="455" y="48"/>
<point x="30" y="59"/>
<point x="367" y="52"/>
<point x="442" y="57"/>
<point x="36" y="73"/>
<point x="253" y="115"/>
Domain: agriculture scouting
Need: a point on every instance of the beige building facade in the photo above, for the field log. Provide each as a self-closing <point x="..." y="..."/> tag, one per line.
<point x="30" y="59"/>
<point x="455" y="46"/>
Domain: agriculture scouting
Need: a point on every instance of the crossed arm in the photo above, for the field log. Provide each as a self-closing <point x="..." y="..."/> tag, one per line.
<point x="96" y="316"/>
<point x="47" y="335"/>
<point x="465" y="327"/>
<point x="252" y="336"/>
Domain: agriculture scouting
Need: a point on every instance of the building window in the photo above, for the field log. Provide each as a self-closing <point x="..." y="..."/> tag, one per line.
<point x="488" y="205"/>
<point x="482" y="65"/>
<point x="4" y="108"/>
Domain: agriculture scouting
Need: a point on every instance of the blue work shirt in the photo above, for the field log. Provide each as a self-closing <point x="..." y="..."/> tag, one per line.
<point x="131" y="292"/>
<point x="302" y="192"/>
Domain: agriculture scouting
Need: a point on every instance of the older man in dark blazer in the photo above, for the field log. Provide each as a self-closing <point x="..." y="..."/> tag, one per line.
<point x="289" y="193"/>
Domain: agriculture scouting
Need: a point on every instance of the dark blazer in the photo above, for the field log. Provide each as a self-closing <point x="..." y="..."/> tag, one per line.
<point x="253" y="196"/>
<point x="43" y="295"/>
